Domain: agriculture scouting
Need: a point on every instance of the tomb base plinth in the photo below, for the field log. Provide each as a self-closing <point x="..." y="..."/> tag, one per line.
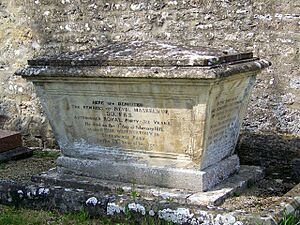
<point x="163" y="176"/>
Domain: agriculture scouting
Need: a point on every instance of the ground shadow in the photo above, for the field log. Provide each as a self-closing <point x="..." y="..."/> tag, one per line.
<point x="278" y="154"/>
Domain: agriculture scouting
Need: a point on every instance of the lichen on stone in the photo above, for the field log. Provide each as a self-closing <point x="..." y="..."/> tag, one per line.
<point x="92" y="201"/>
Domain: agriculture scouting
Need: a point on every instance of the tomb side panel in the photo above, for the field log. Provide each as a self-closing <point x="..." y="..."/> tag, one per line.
<point x="228" y="102"/>
<point x="164" y="119"/>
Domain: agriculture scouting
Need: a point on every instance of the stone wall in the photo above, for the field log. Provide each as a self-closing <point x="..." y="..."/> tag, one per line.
<point x="269" y="28"/>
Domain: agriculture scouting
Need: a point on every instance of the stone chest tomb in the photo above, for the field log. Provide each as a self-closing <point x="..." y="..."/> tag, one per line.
<point x="148" y="113"/>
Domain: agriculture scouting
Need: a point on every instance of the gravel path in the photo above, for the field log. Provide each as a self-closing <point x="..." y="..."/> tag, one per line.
<point x="21" y="170"/>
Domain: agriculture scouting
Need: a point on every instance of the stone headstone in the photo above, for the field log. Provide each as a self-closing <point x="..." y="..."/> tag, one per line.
<point x="11" y="146"/>
<point x="9" y="140"/>
<point x="148" y="113"/>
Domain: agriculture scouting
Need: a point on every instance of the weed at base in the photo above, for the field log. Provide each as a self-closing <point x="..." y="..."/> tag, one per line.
<point x="291" y="219"/>
<point x="2" y="166"/>
<point x="45" y="154"/>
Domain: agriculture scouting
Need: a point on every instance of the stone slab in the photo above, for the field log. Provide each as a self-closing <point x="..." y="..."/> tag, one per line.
<point x="99" y="204"/>
<point x="247" y="176"/>
<point x="13" y="153"/>
<point x="174" y="72"/>
<point x="238" y="182"/>
<point x="139" y="53"/>
<point x="9" y="140"/>
<point x="161" y="176"/>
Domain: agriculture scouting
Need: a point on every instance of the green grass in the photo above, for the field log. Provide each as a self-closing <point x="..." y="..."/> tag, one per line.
<point x="14" y="216"/>
<point x="135" y="194"/>
<point x="19" y="216"/>
<point x="2" y="166"/>
<point x="9" y="215"/>
<point x="46" y="154"/>
<point x="290" y="219"/>
<point x="236" y="194"/>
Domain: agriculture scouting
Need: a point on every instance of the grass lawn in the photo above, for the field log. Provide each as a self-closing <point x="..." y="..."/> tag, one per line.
<point x="19" y="216"/>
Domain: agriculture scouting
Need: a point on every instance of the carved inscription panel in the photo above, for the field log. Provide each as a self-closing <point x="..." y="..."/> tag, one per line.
<point x="229" y="101"/>
<point x="150" y="123"/>
<point x="132" y="125"/>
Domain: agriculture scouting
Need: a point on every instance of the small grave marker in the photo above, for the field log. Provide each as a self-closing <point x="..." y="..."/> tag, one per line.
<point x="11" y="145"/>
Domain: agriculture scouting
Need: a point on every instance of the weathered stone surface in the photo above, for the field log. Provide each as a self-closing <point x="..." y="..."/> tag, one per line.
<point x="237" y="182"/>
<point x="100" y="203"/>
<point x="165" y="131"/>
<point x="175" y="72"/>
<point x="137" y="171"/>
<point x="163" y="116"/>
<point x="139" y="53"/>
<point x="9" y="140"/>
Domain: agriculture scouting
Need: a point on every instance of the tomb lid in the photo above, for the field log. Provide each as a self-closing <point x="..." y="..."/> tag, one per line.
<point x="138" y="53"/>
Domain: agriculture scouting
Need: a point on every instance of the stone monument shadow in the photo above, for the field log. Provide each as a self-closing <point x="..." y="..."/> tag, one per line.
<point x="278" y="153"/>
